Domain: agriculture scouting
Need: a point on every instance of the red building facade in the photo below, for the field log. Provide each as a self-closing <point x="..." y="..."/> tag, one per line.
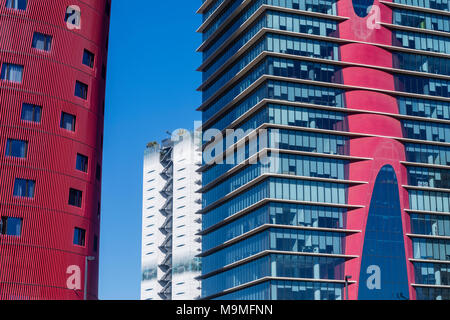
<point x="52" y="95"/>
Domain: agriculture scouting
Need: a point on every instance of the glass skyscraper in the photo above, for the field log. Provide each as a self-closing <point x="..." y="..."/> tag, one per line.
<point x="335" y="183"/>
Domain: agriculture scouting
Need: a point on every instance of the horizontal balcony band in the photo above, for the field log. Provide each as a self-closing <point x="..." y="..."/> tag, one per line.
<point x="269" y="252"/>
<point x="284" y="151"/>
<point x="417" y="30"/>
<point x="233" y="58"/>
<point x="205" y="5"/>
<point x="288" y="176"/>
<point x="235" y="78"/>
<point x="353" y="134"/>
<point x="436" y="286"/>
<point x="429" y="261"/>
<point x="253" y="134"/>
<point x="265" y="54"/>
<point x="252" y="41"/>
<point x="262" y="9"/>
<point x="350" y="111"/>
<point x="237" y="11"/>
<point x="262" y="202"/>
<point x="265" y="30"/>
<point x="270" y="226"/>
<point x="266" y="77"/>
<point x="437" y="213"/>
<point x="258" y="36"/>
<point x="415" y="8"/>
<point x="264" y="102"/>
<point x="424" y="165"/>
<point x="254" y="157"/>
<point x="213" y="16"/>
<point x="232" y="37"/>
<point x="426" y="188"/>
<point x="266" y="176"/>
<point x="393" y="115"/>
<point x="424" y="236"/>
<point x="265" y="279"/>
<point x="224" y="23"/>
<point x="221" y="157"/>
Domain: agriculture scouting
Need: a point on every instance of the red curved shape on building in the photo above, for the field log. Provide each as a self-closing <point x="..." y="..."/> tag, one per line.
<point x="382" y="149"/>
<point x="42" y="261"/>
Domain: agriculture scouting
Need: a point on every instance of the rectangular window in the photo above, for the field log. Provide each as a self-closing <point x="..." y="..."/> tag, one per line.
<point x="11" y="226"/>
<point x="79" y="236"/>
<point x="75" y="197"/>
<point x="82" y="163"/>
<point x="98" y="172"/>
<point x="16" y="148"/>
<point x="24" y="188"/>
<point x="12" y="72"/>
<point x="81" y="90"/>
<point x="31" y="113"/>
<point x="68" y="121"/>
<point x="88" y="58"/>
<point x="95" y="243"/>
<point x="16" y="4"/>
<point x="42" y="41"/>
<point x="107" y="8"/>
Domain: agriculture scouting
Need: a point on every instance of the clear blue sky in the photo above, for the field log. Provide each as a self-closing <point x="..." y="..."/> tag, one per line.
<point x="151" y="89"/>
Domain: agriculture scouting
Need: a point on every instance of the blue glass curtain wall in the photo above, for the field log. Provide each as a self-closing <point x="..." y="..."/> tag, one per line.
<point x="291" y="240"/>
<point x="277" y="213"/>
<point x="383" y="266"/>
<point x="280" y="265"/>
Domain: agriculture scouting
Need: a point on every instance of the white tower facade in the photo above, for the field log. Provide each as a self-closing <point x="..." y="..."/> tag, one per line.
<point x="169" y="221"/>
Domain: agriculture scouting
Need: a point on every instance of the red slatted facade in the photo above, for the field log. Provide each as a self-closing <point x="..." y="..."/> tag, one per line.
<point x="34" y="265"/>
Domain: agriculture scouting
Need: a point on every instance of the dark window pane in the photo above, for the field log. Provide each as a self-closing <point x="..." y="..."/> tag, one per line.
<point x="81" y="90"/>
<point x="68" y="121"/>
<point x="3" y="222"/>
<point x="16" y="148"/>
<point x="82" y="163"/>
<point x="88" y="58"/>
<point x="107" y="8"/>
<point x="362" y="7"/>
<point x="79" y="237"/>
<point x="31" y="113"/>
<point x="42" y="41"/>
<point x="12" y="72"/>
<point x="11" y="226"/>
<point x="75" y="198"/>
<point x="24" y="188"/>
<point x="95" y="243"/>
<point x="98" y="173"/>
<point x="16" y="4"/>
